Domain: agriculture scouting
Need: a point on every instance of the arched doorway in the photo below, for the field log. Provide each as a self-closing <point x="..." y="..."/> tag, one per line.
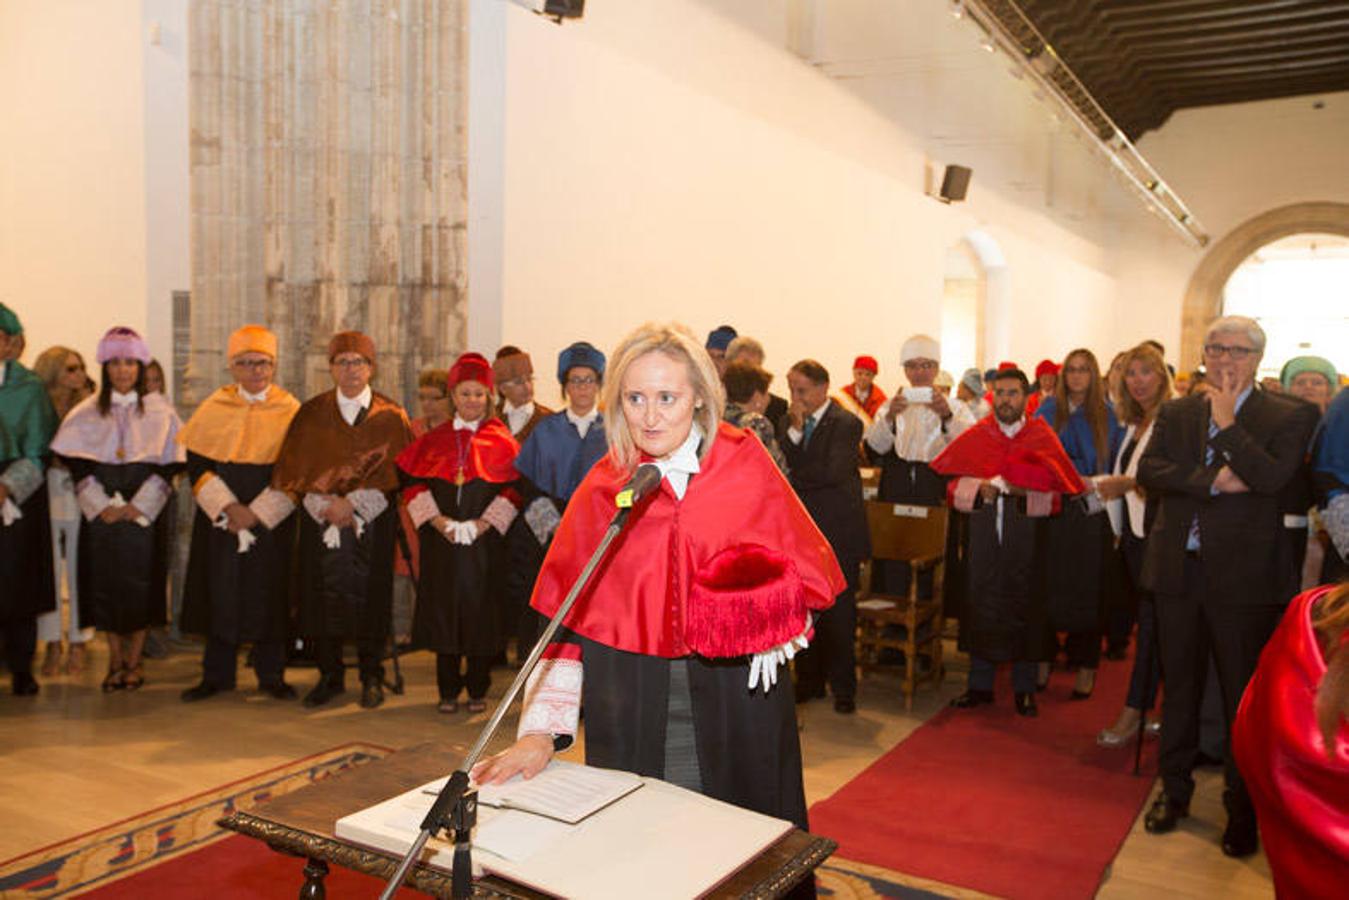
<point x="1204" y="295"/>
<point x="1298" y="289"/>
<point x="976" y="320"/>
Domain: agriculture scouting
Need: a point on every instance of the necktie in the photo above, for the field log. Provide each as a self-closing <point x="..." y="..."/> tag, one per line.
<point x="807" y="430"/>
<point x="1192" y="541"/>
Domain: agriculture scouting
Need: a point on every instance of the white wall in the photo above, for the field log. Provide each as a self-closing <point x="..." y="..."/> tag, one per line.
<point x="93" y="168"/>
<point x="1230" y="163"/>
<point x="664" y="162"/>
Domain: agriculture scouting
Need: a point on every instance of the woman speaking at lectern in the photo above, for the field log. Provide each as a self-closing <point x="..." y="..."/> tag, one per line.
<point x="675" y="646"/>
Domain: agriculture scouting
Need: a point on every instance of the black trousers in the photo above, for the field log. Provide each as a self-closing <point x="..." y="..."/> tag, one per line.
<point x="220" y="662"/>
<point x="369" y="652"/>
<point x="451" y="682"/>
<point x="19" y="637"/>
<point x="1190" y="625"/>
<point x="833" y="653"/>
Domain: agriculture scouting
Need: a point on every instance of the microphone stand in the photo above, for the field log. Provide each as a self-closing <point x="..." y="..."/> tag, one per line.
<point x="456" y="807"/>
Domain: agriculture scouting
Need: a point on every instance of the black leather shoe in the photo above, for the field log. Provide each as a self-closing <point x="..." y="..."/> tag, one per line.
<point x="971" y="698"/>
<point x="322" y="693"/>
<point x="278" y="690"/>
<point x="1164" y="813"/>
<point x="202" y="691"/>
<point x="372" y="693"/>
<point x="1025" y="706"/>
<point x="1240" y="838"/>
<point x="24" y="684"/>
<point x="845" y="705"/>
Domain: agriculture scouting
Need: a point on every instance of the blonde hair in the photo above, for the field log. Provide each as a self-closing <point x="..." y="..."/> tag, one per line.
<point x="678" y="343"/>
<point x="1131" y="411"/>
<point x="50" y="366"/>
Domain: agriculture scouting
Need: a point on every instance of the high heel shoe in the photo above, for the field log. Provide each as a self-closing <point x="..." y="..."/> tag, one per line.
<point x="76" y="658"/>
<point x="1122" y="732"/>
<point x="113" y="681"/>
<point x="133" y="678"/>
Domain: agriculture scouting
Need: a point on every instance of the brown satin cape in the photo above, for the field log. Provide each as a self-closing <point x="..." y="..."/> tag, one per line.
<point x="322" y="454"/>
<point x="227" y="428"/>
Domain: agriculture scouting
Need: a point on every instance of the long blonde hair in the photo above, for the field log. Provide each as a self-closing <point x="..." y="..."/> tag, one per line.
<point x="1330" y="618"/>
<point x="1131" y="412"/>
<point x="678" y="343"/>
<point x="50" y="366"/>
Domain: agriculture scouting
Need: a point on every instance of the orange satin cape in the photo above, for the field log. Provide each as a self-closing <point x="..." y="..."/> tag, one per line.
<point x="322" y="454"/>
<point x="1033" y="460"/>
<point x="638" y="599"/>
<point x="489" y="453"/>
<point x="227" y="428"/>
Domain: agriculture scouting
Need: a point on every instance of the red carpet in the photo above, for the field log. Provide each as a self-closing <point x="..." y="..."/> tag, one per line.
<point x="240" y="868"/>
<point x="986" y="799"/>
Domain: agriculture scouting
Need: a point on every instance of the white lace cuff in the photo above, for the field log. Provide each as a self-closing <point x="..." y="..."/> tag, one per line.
<point x="500" y="513"/>
<point x="542" y="518"/>
<point x="23" y="478"/>
<point x="151" y="497"/>
<point x="92" y="498"/>
<point x="369" y="503"/>
<point x="271" y="507"/>
<point x="213" y="495"/>
<point x="552" y="703"/>
<point x="422" y="508"/>
<point x="316" y="505"/>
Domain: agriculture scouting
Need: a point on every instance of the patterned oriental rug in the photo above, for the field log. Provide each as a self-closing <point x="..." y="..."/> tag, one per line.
<point x="990" y="801"/>
<point x="128" y="855"/>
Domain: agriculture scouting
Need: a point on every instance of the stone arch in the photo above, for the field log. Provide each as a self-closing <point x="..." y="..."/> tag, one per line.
<point x="1204" y="294"/>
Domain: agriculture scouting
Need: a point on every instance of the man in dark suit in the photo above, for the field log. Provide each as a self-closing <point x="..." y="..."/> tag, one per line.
<point x="1216" y="466"/>
<point x="820" y="441"/>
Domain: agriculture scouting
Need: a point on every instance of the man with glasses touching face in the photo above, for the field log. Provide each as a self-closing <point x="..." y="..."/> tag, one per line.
<point x="338" y="461"/>
<point x="243" y="531"/>
<point x="1215" y="466"/>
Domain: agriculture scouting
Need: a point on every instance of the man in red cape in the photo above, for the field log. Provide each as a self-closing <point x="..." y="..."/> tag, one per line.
<point x="1007" y="473"/>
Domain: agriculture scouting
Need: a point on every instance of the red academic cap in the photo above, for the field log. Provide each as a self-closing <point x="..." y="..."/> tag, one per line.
<point x="1046" y="367"/>
<point x="867" y="362"/>
<point x="471" y="367"/>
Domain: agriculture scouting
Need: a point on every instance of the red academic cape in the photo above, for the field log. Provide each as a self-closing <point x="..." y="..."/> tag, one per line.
<point x="488" y="453"/>
<point x="1033" y="460"/>
<point x="1301" y="795"/>
<point x="875" y="399"/>
<point x="731" y="569"/>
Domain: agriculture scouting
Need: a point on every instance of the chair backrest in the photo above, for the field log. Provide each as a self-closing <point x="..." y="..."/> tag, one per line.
<point x="900" y="531"/>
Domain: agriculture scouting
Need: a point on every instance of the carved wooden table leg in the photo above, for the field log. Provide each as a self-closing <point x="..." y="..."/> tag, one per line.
<point x="313" y="880"/>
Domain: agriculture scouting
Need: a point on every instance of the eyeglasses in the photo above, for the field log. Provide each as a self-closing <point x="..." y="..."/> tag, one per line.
<point x="520" y="382"/>
<point x="1076" y="370"/>
<point x="351" y="363"/>
<point x="582" y="380"/>
<point x="1217" y="351"/>
<point x="920" y="364"/>
<point x="257" y="364"/>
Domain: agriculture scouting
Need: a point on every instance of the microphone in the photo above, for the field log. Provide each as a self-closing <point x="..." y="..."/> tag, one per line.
<point x="643" y="481"/>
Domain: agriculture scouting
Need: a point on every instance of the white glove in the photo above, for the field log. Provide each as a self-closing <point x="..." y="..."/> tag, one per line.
<point x="246" y="538"/>
<point x="332" y="537"/>
<point x="763" y="667"/>
<point x="119" y="501"/>
<point x="10" y="513"/>
<point x="463" y="533"/>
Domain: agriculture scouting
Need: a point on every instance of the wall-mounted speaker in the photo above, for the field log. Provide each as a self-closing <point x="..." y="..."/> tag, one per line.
<point x="564" y="9"/>
<point x="955" y="183"/>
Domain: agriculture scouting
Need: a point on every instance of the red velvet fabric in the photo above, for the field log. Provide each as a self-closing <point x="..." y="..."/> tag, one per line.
<point x="1301" y="795"/>
<point x="1033" y="460"/>
<point x="875" y="400"/>
<point x="746" y="599"/>
<point x="638" y="599"/>
<point x="489" y="454"/>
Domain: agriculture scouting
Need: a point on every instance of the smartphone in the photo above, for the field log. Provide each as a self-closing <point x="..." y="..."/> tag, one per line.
<point x="918" y="394"/>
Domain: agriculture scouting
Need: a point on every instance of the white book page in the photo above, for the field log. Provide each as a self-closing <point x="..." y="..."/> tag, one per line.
<point x="565" y="791"/>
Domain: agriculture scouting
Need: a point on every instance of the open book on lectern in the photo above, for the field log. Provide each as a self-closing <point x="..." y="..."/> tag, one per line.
<point x="579" y="831"/>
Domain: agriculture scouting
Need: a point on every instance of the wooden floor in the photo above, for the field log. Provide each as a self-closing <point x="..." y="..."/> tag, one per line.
<point x="73" y="759"/>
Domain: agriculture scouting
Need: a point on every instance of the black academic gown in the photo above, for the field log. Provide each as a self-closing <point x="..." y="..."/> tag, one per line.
<point x="1078" y="574"/>
<point x="237" y="597"/>
<point x="123" y="567"/>
<point x="1003" y="613"/>
<point x="460" y="587"/>
<point x="346" y="593"/>
<point x="26" y="560"/>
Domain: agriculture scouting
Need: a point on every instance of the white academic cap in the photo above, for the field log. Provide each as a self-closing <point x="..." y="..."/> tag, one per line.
<point x="920" y="346"/>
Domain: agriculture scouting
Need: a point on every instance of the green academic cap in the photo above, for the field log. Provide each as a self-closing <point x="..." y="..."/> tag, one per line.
<point x="9" y="323"/>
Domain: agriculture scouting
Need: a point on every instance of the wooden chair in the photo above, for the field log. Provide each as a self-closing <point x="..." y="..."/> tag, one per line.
<point x="915" y="535"/>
